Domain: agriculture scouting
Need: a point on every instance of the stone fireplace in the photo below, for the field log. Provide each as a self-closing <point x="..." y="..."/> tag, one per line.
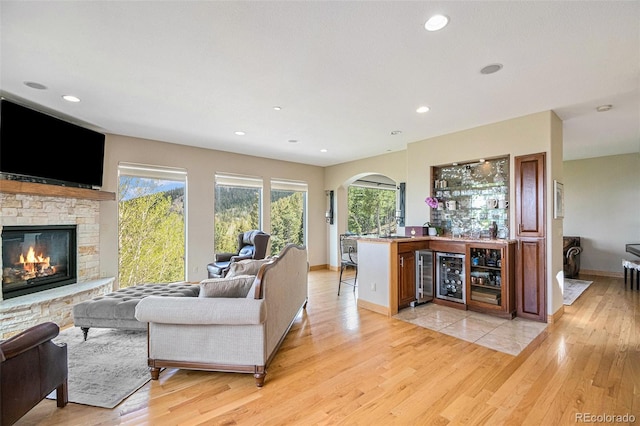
<point x="37" y="207"/>
<point x="37" y="258"/>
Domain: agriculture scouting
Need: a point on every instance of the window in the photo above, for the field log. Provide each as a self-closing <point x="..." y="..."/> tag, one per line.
<point x="372" y="207"/>
<point x="237" y="209"/>
<point x="288" y="214"/>
<point x="151" y="224"/>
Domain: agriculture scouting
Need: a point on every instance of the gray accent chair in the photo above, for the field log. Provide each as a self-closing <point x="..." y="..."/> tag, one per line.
<point x="236" y="324"/>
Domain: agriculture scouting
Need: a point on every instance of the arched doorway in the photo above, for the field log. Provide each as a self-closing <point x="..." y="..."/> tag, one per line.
<point x="372" y="203"/>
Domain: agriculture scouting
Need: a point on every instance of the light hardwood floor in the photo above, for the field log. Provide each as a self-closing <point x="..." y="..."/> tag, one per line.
<point x="343" y="365"/>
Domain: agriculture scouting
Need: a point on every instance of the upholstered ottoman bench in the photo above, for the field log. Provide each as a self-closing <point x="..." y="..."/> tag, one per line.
<point x="117" y="309"/>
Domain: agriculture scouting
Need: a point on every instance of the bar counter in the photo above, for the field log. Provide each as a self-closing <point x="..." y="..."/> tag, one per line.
<point x="381" y="260"/>
<point x="401" y="238"/>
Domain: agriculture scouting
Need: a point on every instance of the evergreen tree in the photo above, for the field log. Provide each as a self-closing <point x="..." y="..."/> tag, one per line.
<point x="287" y="226"/>
<point x="237" y="209"/>
<point x="371" y="211"/>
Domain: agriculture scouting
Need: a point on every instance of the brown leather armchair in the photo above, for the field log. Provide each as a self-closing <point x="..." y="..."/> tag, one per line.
<point x="251" y="245"/>
<point x="571" y="253"/>
<point x="31" y="367"/>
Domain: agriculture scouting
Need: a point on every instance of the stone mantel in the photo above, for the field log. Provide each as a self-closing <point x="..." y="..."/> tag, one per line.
<point x="55" y="305"/>
<point x="27" y="203"/>
<point x="16" y="187"/>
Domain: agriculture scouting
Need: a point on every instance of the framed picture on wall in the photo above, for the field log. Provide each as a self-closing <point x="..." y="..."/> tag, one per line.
<point x="558" y="200"/>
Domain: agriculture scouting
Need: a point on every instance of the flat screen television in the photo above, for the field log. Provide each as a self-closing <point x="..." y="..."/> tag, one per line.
<point x="37" y="147"/>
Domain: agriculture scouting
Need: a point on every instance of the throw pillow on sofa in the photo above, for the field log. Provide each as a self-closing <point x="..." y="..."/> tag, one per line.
<point x="237" y="286"/>
<point x="246" y="267"/>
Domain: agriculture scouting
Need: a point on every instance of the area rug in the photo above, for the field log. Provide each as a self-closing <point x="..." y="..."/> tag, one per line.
<point x="107" y="368"/>
<point x="573" y="289"/>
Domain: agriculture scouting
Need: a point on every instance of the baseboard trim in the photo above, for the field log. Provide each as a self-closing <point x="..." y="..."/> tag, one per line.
<point x="600" y="273"/>
<point x="324" y="266"/>
<point x="373" y="307"/>
<point x="318" y="267"/>
<point x="555" y="317"/>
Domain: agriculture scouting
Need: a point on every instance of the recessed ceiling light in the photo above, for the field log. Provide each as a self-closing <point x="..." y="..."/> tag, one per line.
<point x="603" y="108"/>
<point x="423" y="109"/>
<point x="436" y="22"/>
<point x="240" y="133"/>
<point x="490" y="69"/>
<point x="71" y="98"/>
<point x="277" y="108"/>
<point x="293" y="141"/>
<point x="395" y="132"/>
<point x="35" y="85"/>
<point x="324" y="150"/>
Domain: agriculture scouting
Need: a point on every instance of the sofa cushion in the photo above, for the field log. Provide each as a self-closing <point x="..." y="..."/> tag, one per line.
<point x="251" y="294"/>
<point x="246" y="251"/>
<point x="246" y="267"/>
<point x="237" y="286"/>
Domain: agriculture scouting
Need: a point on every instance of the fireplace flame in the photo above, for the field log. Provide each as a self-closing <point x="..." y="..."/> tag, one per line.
<point x="32" y="260"/>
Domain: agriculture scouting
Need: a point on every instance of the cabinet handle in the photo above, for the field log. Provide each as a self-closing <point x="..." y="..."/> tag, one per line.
<point x="401" y="261"/>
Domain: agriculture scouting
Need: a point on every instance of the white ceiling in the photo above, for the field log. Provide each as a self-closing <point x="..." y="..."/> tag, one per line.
<point x="346" y="74"/>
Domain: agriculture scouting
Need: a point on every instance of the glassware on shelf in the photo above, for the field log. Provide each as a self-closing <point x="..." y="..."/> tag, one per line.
<point x="470" y="186"/>
<point x="493" y="230"/>
<point x="499" y="176"/>
<point x="450" y="282"/>
<point x="485" y="275"/>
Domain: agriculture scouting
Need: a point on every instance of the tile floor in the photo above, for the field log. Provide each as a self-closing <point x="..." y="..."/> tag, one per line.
<point x="508" y="336"/>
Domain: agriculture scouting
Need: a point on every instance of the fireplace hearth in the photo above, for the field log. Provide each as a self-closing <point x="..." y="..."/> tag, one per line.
<point x="37" y="258"/>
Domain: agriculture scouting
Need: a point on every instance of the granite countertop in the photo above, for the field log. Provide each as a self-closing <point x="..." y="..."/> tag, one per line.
<point x="401" y="238"/>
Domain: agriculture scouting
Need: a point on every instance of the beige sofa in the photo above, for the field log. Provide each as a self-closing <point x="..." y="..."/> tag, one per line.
<point x="223" y="331"/>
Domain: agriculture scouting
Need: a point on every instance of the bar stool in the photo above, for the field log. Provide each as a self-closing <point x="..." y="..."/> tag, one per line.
<point x="631" y="266"/>
<point x="348" y="257"/>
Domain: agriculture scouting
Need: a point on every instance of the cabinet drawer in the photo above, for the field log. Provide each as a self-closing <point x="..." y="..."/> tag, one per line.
<point x="448" y="246"/>
<point x="412" y="246"/>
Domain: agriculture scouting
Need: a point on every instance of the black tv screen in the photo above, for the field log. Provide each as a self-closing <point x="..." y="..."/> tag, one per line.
<point x="38" y="147"/>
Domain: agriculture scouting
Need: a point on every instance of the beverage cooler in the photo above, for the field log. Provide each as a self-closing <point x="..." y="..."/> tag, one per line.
<point x="450" y="282"/>
<point x="424" y="277"/>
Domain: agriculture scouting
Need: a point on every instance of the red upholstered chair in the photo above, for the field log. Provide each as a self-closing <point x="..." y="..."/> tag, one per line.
<point x="31" y="367"/>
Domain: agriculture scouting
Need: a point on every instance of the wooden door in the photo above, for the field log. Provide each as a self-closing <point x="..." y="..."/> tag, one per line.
<point x="530" y="195"/>
<point x="530" y="205"/>
<point x="406" y="279"/>
<point x="531" y="289"/>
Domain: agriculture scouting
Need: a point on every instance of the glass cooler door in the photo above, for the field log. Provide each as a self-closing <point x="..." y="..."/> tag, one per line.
<point x="450" y="282"/>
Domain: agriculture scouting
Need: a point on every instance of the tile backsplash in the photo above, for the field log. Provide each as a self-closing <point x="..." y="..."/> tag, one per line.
<point x="471" y="197"/>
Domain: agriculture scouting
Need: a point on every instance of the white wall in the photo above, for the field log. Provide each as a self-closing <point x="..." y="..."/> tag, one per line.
<point x="339" y="177"/>
<point x="201" y="165"/>
<point x="602" y="206"/>
<point x="374" y="272"/>
<point x="541" y="132"/>
<point x="519" y="136"/>
<point x="605" y="225"/>
<point x="534" y="133"/>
